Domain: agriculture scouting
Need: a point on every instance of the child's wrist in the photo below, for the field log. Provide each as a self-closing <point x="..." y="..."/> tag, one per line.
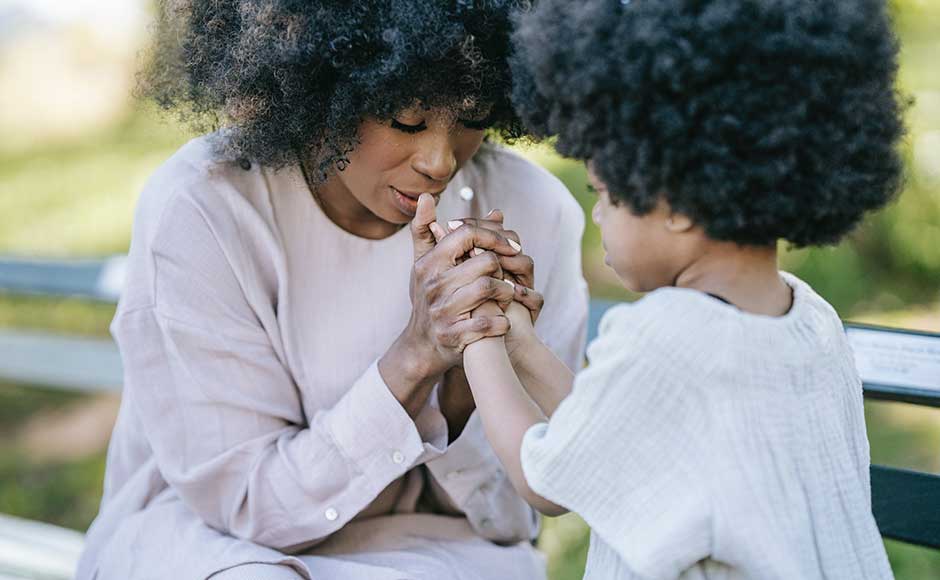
<point x="523" y="349"/>
<point x="483" y="345"/>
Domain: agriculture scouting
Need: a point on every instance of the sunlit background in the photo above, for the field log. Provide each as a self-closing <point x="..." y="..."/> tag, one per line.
<point x="75" y="150"/>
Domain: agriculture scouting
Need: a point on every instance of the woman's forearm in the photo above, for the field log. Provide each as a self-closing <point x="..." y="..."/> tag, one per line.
<point x="545" y="377"/>
<point x="506" y="410"/>
<point x="407" y="375"/>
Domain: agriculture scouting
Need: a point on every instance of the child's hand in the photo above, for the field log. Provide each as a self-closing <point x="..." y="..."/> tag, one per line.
<point x="521" y="330"/>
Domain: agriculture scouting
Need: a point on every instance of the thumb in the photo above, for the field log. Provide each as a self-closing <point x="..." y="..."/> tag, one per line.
<point x="421" y="232"/>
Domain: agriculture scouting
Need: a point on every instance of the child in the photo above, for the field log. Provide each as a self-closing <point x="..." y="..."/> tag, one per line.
<point x="718" y="431"/>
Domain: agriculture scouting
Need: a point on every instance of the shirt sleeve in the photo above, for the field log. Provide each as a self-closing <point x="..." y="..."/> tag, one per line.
<point x="469" y="476"/>
<point x="626" y="452"/>
<point x="469" y="479"/>
<point x="223" y="414"/>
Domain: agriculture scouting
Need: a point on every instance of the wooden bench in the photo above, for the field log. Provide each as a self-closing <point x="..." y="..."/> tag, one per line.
<point x="895" y="365"/>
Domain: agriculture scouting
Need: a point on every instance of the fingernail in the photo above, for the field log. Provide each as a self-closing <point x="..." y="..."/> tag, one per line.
<point x="515" y="246"/>
<point x="477" y="251"/>
<point x="454" y="224"/>
<point x="510" y="283"/>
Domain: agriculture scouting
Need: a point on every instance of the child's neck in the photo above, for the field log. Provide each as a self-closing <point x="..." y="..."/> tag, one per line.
<point x="745" y="276"/>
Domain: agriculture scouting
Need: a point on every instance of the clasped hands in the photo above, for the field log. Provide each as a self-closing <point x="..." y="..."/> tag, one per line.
<point x="470" y="280"/>
<point x="504" y="288"/>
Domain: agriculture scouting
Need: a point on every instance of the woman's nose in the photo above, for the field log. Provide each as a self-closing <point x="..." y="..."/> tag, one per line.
<point x="436" y="159"/>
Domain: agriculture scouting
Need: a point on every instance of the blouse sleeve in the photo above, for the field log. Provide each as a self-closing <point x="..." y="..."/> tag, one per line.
<point x="626" y="452"/>
<point x="223" y="415"/>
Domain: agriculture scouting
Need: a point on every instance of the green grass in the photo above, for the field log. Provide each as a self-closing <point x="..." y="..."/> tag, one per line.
<point x="65" y="493"/>
<point x="19" y="402"/>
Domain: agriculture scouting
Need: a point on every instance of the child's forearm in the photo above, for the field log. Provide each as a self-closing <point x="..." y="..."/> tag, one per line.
<point x="506" y="410"/>
<point x="547" y="380"/>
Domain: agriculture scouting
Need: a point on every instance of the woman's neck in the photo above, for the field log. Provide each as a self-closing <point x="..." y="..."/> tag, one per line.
<point x="745" y="276"/>
<point x="347" y="212"/>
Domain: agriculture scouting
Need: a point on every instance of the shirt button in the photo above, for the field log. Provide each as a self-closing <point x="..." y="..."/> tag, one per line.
<point x="331" y="514"/>
<point x="397" y="457"/>
<point x="485" y="522"/>
<point x="466" y="193"/>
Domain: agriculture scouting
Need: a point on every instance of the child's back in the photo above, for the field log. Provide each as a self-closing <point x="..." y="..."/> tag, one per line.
<point x="700" y="432"/>
<point x="708" y="439"/>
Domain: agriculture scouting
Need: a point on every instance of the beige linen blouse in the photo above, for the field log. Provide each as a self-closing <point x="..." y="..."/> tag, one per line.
<point x="255" y="427"/>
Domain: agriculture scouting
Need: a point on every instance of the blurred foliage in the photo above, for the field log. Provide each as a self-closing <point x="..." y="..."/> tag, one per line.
<point x="63" y="493"/>
<point x="57" y="315"/>
<point x="75" y="197"/>
<point x="19" y="402"/>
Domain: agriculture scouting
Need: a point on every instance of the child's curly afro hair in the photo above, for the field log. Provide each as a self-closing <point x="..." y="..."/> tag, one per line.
<point x="296" y="77"/>
<point x="759" y="119"/>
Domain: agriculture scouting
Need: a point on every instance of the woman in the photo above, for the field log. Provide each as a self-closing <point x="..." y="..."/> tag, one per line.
<point x="293" y="404"/>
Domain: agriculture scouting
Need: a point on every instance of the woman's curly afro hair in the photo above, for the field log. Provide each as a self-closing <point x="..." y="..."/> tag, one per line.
<point x="297" y="77"/>
<point x="759" y="119"/>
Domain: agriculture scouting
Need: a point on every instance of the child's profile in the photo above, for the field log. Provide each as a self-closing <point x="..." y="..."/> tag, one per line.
<point x="718" y="431"/>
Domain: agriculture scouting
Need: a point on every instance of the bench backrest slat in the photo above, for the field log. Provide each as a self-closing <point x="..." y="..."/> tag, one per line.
<point x="906" y="505"/>
<point x="91" y="279"/>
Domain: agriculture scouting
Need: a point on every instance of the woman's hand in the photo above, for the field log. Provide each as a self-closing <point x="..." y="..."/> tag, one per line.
<point x="518" y="269"/>
<point x="445" y="289"/>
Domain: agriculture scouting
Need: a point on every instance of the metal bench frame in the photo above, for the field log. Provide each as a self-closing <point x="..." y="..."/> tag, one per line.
<point x="906" y="503"/>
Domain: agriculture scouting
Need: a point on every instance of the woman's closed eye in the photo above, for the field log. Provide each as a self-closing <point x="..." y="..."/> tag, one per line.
<point x="473" y="125"/>
<point x="410" y="129"/>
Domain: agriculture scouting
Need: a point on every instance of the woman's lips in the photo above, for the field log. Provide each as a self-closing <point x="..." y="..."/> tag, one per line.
<point x="408" y="202"/>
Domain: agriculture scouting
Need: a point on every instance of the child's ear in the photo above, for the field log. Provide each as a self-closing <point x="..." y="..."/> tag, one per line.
<point x="677" y="223"/>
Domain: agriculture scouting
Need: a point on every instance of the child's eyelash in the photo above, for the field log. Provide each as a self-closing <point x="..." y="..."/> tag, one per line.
<point x="591" y="189"/>
<point x="411" y="129"/>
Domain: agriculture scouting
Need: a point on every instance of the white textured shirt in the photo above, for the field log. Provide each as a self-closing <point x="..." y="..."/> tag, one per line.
<point x="705" y="442"/>
<point x="254" y="425"/>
